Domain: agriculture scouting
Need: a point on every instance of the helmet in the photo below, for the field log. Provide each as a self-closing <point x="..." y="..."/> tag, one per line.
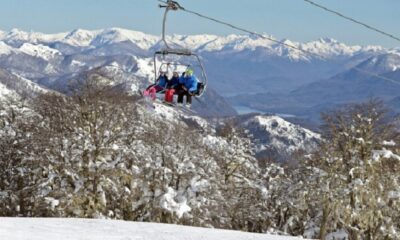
<point x="189" y="72"/>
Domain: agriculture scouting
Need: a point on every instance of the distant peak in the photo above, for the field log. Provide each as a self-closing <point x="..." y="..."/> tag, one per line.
<point x="79" y="31"/>
<point x="16" y="31"/>
<point x="121" y="31"/>
<point x="289" y="42"/>
<point x="327" y="40"/>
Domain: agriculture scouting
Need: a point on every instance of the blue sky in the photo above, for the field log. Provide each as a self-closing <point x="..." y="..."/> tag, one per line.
<point x="292" y="19"/>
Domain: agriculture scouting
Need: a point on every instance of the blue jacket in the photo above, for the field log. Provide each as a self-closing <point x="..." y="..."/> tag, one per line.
<point x="190" y="82"/>
<point x="162" y="81"/>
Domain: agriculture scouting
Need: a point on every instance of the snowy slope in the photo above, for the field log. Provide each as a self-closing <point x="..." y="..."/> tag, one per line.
<point x="85" y="229"/>
<point x="5" y="92"/>
<point x="5" y="49"/>
<point x="40" y="51"/>
<point x="383" y="63"/>
<point x="14" y="85"/>
<point x="115" y="35"/>
<point x="16" y="37"/>
<point x="79" y="37"/>
<point x="274" y="134"/>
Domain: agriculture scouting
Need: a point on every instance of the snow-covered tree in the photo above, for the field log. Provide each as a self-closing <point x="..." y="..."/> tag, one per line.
<point x="17" y="181"/>
<point x="98" y="153"/>
<point x="353" y="180"/>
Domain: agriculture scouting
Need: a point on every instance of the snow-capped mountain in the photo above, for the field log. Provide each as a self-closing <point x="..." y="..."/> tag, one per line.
<point x="383" y="63"/>
<point x="277" y="138"/>
<point x="118" y="35"/>
<point x="14" y="86"/>
<point x="5" y="49"/>
<point x="40" y="51"/>
<point x="79" y="38"/>
<point x="324" y="47"/>
<point x="16" y="37"/>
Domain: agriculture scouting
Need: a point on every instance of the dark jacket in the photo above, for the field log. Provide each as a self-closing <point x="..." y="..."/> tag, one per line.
<point x="173" y="83"/>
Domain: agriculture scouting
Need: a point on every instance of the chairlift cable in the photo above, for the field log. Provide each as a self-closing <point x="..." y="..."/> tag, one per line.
<point x="392" y="36"/>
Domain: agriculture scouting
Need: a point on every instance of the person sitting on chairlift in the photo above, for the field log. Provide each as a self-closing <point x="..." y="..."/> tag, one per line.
<point x="187" y="87"/>
<point x="172" y="86"/>
<point x="159" y="86"/>
<point x="173" y="83"/>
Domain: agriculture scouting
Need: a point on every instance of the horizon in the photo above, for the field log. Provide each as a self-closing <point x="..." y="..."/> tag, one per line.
<point x="286" y="19"/>
<point x="183" y="35"/>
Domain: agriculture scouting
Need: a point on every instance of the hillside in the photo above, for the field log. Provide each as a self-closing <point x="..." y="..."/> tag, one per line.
<point x="350" y="86"/>
<point x="278" y="139"/>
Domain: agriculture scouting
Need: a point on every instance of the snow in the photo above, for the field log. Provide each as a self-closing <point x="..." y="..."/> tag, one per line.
<point x="281" y="134"/>
<point x="326" y="47"/>
<point x="5" y="49"/>
<point x="114" y="68"/>
<point x="340" y="234"/>
<point x="145" y="68"/>
<point x="383" y="63"/>
<point x="75" y="63"/>
<point x="389" y="143"/>
<point x="80" y="37"/>
<point x="169" y="203"/>
<point x="378" y="154"/>
<point x="39" y="51"/>
<point x="115" y="35"/>
<point x="5" y="92"/>
<point x="220" y="42"/>
<point x="192" y="41"/>
<point x="52" y="202"/>
<point x="166" y="112"/>
<point x="214" y="142"/>
<point x="32" y="86"/>
<point x="394" y="195"/>
<point x="270" y="122"/>
<point x="92" y="229"/>
<point x="16" y="35"/>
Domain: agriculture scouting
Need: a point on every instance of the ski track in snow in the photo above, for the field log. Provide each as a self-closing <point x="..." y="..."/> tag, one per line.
<point x="92" y="229"/>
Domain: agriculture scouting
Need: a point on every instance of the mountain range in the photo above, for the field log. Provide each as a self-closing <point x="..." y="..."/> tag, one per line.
<point x="246" y="70"/>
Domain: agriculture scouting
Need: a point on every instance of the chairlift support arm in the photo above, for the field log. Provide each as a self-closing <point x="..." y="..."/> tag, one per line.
<point x="170" y="5"/>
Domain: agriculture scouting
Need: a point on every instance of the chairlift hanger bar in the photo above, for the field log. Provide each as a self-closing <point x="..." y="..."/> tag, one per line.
<point x="169" y="5"/>
<point x="176" y="64"/>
